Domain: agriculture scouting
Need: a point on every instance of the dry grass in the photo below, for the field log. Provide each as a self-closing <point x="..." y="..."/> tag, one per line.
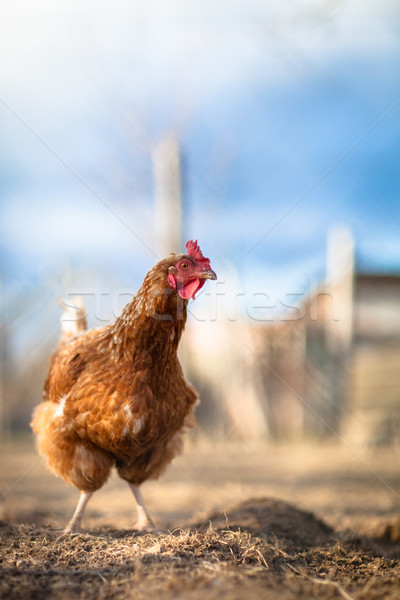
<point x="190" y="564"/>
<point x="256" y="548"/>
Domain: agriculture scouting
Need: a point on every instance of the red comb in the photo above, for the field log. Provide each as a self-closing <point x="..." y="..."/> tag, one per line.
<point x="194" y="251"/>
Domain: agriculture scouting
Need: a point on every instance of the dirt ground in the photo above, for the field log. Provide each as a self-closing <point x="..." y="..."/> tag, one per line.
<point x="240" y="521"/>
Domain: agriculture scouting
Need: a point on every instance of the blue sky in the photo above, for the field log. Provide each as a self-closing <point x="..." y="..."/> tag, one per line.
<point x="288" y="118"/>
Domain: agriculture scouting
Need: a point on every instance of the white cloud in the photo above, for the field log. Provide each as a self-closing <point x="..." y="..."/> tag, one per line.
<point x="55" y="227"/>
<point x="67" y="52"/>
<point x="68" y="66"/>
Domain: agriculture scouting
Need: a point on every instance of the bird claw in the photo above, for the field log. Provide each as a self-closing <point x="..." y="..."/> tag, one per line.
<point x="71" y="533"/>
<point x="146" y="528"/>
<point x="149" y="531"/>
<point x="57" y="534"/>
<point x="66" y="534"/>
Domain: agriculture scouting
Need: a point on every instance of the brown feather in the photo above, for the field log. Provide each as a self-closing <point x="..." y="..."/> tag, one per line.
<point x="117" y="395"/>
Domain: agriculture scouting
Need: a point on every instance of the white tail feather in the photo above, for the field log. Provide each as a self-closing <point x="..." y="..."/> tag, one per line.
<point x="73" y="319"/>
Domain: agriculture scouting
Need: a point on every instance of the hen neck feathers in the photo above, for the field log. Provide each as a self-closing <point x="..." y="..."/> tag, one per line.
<point x="152" y="323"/>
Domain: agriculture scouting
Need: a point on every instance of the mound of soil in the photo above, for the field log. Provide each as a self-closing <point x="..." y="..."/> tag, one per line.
<point x="274" y="520"/>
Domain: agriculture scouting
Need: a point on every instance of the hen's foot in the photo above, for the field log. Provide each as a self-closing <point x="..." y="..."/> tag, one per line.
<point x="149" y="530"/>
<point x="70" y="532"/>
<point x="145" y="525"/>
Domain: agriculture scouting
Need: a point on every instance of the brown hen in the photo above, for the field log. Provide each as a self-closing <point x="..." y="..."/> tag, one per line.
<point x="116" y="396"/>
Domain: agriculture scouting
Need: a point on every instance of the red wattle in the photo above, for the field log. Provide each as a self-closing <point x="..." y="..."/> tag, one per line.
<point x="190" y="288"/>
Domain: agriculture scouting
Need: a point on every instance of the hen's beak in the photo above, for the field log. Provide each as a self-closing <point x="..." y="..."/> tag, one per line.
<point x="206" y="274"/>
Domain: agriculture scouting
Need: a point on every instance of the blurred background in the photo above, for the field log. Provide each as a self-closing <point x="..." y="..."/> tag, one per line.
<point x="268" y="131"/>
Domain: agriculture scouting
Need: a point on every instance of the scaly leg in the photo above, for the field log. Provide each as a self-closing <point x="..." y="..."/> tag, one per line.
<point x="74" y="526"/>
<point x="144" y="520"/>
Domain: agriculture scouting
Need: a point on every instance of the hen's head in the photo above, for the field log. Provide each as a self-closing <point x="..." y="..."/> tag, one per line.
<point x="190" y="271"/>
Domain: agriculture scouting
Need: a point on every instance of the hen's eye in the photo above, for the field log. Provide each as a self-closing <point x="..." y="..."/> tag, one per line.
<point x="184" y="266"/>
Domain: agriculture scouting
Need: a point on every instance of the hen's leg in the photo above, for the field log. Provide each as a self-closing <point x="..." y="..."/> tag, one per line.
<point x="74" y="526"/>
<point x="144" y="520"/>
